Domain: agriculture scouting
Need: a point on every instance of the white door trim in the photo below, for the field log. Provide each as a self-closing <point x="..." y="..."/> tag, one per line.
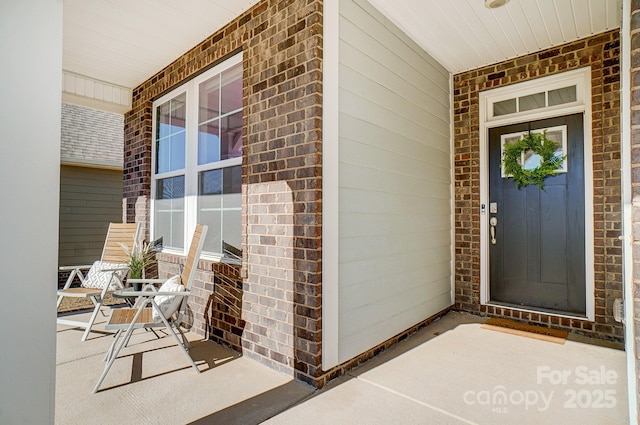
<point x="582" y="78"/>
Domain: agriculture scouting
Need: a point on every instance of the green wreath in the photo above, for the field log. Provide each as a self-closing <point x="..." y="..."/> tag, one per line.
<point x="539" y="144"/>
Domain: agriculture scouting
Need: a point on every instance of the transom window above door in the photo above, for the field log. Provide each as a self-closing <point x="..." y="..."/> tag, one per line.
<point x="197" y="162"/>
<point x="542" y="97"/>
<point x="534" y="101"/>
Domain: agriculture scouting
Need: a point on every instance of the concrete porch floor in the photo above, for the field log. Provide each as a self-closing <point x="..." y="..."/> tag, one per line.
<point x="451" y="372"/>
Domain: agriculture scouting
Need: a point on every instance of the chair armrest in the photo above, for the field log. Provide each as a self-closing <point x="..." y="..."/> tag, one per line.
<point x="68" y="268"/>
<point x="149" y="294"/>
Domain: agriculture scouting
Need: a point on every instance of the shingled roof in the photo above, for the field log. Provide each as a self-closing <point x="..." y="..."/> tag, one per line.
<point x="91" y="137"/>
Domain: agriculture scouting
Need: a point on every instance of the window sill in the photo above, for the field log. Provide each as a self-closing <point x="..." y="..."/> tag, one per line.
<point x="204" y="257"/>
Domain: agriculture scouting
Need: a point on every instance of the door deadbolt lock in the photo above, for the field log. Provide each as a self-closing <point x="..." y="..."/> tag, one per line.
<point x="493" y="222"/>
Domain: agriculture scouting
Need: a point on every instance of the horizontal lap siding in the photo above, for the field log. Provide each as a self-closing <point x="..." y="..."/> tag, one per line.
<point x="394" y="182"/>
<point x="90" y="198"/>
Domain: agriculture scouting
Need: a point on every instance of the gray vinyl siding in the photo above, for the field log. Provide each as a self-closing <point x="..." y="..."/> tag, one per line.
<point x="90" y="198"/>
<point x="394" y="181"/>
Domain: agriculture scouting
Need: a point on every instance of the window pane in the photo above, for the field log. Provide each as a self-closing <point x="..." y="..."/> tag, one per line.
<point x="178" y="113"/>
<point x="563" y="95"/>
<point x="169" y="223"/>
<point x="232" y="179"/>
<point x="232" y="89"/>
<point x="507" y="139"/>
<point x="210" y="208"/>
<point x="163" y="147"/>
<point x="531" y="160"/>
<point x="208" y="142"/>
<point x="170" y="135"/>
<point x="504" y="107"/>
<point x="169" y="211"/>
<point x="170" y="153"/>
<point x="177" y="152"/>
<point x="533" y="101"/>
<point x="209" y="99"/>
<point x="170" y="188"/>
<point x="211" y="182"/>
<point x="231" y="226"/>
<point x="219" y="207"/>
<point x="213" y="241"/>
<point x="164" y="128"/>
<point x="231" y="137"/>
<point x="558" y="136"/>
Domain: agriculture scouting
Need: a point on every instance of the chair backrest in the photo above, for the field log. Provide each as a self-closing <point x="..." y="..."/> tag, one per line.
<point x="120" y="233"/>
<point x="191" y="264"/>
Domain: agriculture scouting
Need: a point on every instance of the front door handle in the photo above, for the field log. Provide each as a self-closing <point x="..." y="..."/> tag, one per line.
<point x="493" y="222"/>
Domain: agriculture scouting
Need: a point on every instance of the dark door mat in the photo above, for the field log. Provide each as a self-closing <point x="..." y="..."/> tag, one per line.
<point x="529" y="331"/>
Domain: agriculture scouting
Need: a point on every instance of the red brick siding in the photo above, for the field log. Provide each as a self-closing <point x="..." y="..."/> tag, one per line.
<point x="216" y="298"/>
<point x="282" y="95"/>
<point x="601" y="52"/>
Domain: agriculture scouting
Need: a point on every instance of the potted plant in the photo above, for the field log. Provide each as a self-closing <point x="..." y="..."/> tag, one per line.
<point x="141" y="258"/>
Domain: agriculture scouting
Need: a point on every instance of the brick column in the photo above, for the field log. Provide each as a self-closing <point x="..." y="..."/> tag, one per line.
<point x="137" y="166"/>
<point x="270" y="307"/>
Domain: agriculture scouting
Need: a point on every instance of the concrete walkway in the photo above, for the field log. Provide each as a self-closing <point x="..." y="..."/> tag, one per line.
<point x="152" y="382"/>
<point x="452" y="372"/>
<point x="455" y="372"/>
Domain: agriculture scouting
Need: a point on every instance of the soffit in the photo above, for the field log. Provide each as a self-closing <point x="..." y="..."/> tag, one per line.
<point x="464" y="35"/>
<point x="124" y="42"/>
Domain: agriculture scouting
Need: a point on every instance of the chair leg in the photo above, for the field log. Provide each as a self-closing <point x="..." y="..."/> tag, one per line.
<point x="115" y="353"/>
<point x="93" y="318"/>
<point x="186" y="342"/>
<point x="117" y="336"/>
<point x="173" y="333"/>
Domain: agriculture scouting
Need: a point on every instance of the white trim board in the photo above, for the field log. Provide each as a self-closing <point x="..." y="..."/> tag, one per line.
<point x="330" y="185"/>
<point x="627" y="212"/>
<point x="582" y="78"/>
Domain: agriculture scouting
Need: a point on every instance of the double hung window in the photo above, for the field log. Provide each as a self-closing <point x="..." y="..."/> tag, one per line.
<point x="197" y="157"/>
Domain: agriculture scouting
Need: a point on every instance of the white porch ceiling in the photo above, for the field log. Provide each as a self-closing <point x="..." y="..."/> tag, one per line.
<point x="124" y="42"/>
<point x="463" y="34"/>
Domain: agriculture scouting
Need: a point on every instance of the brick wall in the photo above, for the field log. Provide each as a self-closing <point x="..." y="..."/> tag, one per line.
<point x="272" y="315"/>
<point x="215" y="304"/>
<point x="601" y="52"/>
<point x="635" y="178"/>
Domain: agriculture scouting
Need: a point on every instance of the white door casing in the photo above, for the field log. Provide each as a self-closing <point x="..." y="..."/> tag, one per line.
<point x="581" y="78"/>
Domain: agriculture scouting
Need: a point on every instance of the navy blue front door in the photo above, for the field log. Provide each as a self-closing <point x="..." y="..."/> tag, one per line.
<point x="537" y="258"/>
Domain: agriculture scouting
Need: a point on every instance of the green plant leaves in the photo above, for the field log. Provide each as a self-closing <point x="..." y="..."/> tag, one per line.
<point x="539" y="144"/>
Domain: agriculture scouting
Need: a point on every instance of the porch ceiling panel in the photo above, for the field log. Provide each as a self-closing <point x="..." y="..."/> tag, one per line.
<point x="463" y="34"/>
<point x="124" y="42"/>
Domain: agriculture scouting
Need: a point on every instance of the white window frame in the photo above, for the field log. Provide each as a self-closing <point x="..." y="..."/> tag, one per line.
<point x="192" y="169"/>
<point x="541" y="85"/>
